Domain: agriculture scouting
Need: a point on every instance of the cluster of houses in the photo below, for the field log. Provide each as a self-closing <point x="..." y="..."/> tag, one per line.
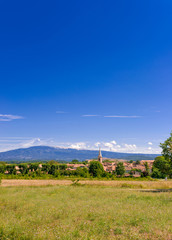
<point x="109" y="165"/>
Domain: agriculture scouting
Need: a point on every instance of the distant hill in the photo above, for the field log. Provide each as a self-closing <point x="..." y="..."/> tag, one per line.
<point x="45" y="153"/>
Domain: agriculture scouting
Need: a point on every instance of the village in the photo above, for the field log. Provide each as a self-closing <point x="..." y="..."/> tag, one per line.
<point x="131" y="168"/>
<point x="134" y="168"/>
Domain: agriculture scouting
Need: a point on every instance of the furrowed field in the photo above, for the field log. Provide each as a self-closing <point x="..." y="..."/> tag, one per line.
<point x="84" y="212"/>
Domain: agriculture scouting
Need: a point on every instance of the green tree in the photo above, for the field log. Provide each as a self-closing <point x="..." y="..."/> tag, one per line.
<point x="137" y="162"/>
<point x="46" y="167"/>
<point x="81" y="172"/>
<point x="62" y="166"/>
<point x="162" y="165"/>
<point x="11" y="168"/>
<point x="146" y="172"/>
<point x="52" y="162"/>
<point x="75" y="161"/>
<point x="120" y="169"/>
<point x="2" y="168"/>
<point x="34" y="166"/>
<point x="167" y="149"/>
<point x="23" y="168"/>
<point x="53" y="169"/>
<point x="96" y="169"/>
<point x="156" y="173"/>
<point x="56" y="173"/>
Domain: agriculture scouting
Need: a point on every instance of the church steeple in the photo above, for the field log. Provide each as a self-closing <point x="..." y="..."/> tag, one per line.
<point x="100" y="156"/>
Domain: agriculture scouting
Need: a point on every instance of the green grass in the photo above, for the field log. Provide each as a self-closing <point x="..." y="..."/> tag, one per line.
<point x="49" y="176"/>
<point x="84" y="212"/>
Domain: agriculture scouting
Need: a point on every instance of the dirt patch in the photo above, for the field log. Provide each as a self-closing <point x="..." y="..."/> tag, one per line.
<point x="23" y="182"/>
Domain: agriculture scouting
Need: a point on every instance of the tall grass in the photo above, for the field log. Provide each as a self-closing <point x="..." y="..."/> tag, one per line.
<point x="84" y="212"/>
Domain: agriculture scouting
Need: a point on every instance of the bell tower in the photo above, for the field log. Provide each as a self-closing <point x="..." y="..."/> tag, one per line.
<point x="100" y="156"/>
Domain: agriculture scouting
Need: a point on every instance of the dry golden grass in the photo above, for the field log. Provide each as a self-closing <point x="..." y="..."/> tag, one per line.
<point x="161" y="184"/>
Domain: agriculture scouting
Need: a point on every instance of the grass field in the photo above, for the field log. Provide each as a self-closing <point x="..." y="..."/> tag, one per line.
<point x="84" y="212"/>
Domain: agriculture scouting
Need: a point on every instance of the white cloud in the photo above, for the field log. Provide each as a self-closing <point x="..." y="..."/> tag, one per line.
<point x="149" y="148"/>
<point x="32" y="142"/>
<point x="78" y="145"/>
<point x="97" y="144"/>
<point x="113" y="142"/>
<point x="130" y="147"/>
<point x="9" y="117"/>
<point x="118" y="116"/>
<point x="150" y="143"/>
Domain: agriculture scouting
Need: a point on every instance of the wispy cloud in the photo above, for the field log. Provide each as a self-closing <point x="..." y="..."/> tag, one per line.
<point x="90" y="115"/>
<point x="22" y="142"/>
<point x="119" y="116"/>
<point x="9" y="117"/>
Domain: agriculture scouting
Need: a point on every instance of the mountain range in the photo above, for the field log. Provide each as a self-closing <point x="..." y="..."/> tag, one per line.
<point x="45" y="153"/>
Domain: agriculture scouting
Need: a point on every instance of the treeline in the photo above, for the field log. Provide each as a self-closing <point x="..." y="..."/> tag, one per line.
<point x="52" y="169"/>
<point x="161" y="168"/>
<point x="56" y="170"/>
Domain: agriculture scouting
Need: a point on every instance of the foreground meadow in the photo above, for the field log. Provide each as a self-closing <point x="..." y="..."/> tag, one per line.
<point x="84" y="212"/>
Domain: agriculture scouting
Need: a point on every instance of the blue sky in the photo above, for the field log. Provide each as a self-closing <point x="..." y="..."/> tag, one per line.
<point x="84" y="74"/>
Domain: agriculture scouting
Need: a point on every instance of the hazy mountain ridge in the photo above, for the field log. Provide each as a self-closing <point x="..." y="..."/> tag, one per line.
<point x="49" y="153"/>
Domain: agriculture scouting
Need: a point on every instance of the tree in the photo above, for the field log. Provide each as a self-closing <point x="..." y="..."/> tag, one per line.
<point x="120" y="169"/>
<point x="11" y="169"/>
<point x="167" y="149"/>
<point x="34" y="166"/>
<point x="75" y="161"/>
<point x="131" y="161"/>
<point x="96" y="169"/>
<point x="52" y="169"/>
<point x="137" y="162"/>
<point x="147" y="171"/>
<point x="162" y="165"/>
<point x="62" y="166"/>
<point x="51" y="162"/>
<point x="2" y="168"/>
<point x="23" y="168"/>
<point x="46" y="167"/>
<point x="82" y="172"/>
<point x="156" y="173"/>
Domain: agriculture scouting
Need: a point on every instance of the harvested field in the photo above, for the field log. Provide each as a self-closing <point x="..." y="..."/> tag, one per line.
<point x="161" y="184"/>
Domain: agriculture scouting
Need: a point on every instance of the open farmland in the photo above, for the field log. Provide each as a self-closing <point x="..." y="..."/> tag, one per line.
<point x="84" y="212"/>
<point x="159" y="184"/>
